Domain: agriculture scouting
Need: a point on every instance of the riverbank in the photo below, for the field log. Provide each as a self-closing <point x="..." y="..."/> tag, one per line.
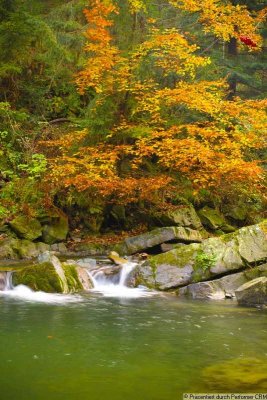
<point x="229" y="266"/>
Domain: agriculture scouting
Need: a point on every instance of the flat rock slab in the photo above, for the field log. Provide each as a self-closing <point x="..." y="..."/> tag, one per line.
<point x="158" y="236"/>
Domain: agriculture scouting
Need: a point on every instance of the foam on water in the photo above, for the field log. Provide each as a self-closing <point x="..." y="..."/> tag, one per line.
<point x="107" y="288"/>
<point x="112" y="290"/>
<point x="22" y="292"/>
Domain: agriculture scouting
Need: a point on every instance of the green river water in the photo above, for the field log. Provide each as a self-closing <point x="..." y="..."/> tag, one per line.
<point x="151" y="348"/>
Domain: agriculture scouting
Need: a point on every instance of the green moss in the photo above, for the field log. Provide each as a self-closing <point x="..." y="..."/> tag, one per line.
<point x="252" y="273"/>
<point x="40" y="277"/>
<point x="211" y="218"/>
<point x="241" y="375"/>
<point x="25" y="249"/>
<point x="56" y="231"/>
<point x="72" y="278"/>
<point x="202" y="264"/>
<point x="26" y="228"/>
<point x="177" y="257"/>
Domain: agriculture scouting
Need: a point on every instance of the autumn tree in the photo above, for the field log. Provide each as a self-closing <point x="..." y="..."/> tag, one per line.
<point x="169" y="127"/>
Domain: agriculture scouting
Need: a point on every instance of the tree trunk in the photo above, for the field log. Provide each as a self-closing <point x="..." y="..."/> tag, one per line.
<point x="232" y="52"/>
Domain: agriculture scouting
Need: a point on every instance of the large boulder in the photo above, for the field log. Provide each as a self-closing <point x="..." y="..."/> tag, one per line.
<point x="57" y="230"/>
<point x="201" y="261"/>
<point x="238" y="212"/>
<point x="8" y="248"/>
<point x="26" y="249"/>
<point x="26" y="228"/>
<point x="84" y="278"/>
<point x="183" y="215"/>
<point x="253" y="292"/>
<point x="214" y="220"/>
<point x="52" y="276"/>
<point x="224" y="287"/>
<point x="136" y="244"/>
<point x="41" y="277"/>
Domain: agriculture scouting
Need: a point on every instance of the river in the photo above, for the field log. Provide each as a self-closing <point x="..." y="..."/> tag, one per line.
<point x="95" y="347"/>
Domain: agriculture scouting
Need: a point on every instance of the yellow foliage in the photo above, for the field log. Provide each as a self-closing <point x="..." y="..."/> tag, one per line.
<point x="214" y="152"/>
<point x="137" y="6"/>
<point x="224" y="19"/>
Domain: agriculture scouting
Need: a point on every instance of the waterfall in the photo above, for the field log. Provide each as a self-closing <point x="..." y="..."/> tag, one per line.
<point x="5" y="280"/>
<point x="115" y="285"/>
<point x="111" y="276"/>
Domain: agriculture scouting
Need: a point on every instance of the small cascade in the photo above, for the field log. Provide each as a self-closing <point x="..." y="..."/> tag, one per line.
<point x="115" y="284"/>
<point x="106" y="278"/>
<point x="5" y="280"/>
<point x="24" y="293"/>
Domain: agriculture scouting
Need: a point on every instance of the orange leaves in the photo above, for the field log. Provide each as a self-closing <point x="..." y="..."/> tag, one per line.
<point x="103" y="55"/>
<point x="210" y="156"/>
<point x="174" y="126"/>
<point x="96" y="169"/>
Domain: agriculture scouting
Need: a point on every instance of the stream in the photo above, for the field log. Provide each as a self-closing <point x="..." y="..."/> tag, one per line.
<point x="121" y="343"/>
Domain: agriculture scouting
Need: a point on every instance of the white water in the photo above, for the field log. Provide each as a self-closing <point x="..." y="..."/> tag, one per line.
<point x="22" y="292"/>
<point x="107" y="285"/>
<point x="108" y="288"/>
<point x="5" y="280"/>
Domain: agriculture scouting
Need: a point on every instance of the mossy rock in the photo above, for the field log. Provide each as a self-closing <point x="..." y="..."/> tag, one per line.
<point x="214" y="220"/>
<point x="158" y="236"/>
<point x="7" y="249"/>
<point x="242" y="375"/>
<point x="72" y="278"/>
<point x="184" y="215"/>
<point x="120" y="248"/>
<point x="215" y="256"/>
<point x="56" y="231"/>
<point x="237" y="212"/>
<point x="39" y="277"/>
<point x="26" y="249"/>
<point x="26" y="228"/>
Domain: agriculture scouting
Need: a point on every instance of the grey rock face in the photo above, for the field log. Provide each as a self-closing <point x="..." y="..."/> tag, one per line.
<point x="253" y="292"/>
<point x="223" y="287"/>
<point x="206" y="260"/>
